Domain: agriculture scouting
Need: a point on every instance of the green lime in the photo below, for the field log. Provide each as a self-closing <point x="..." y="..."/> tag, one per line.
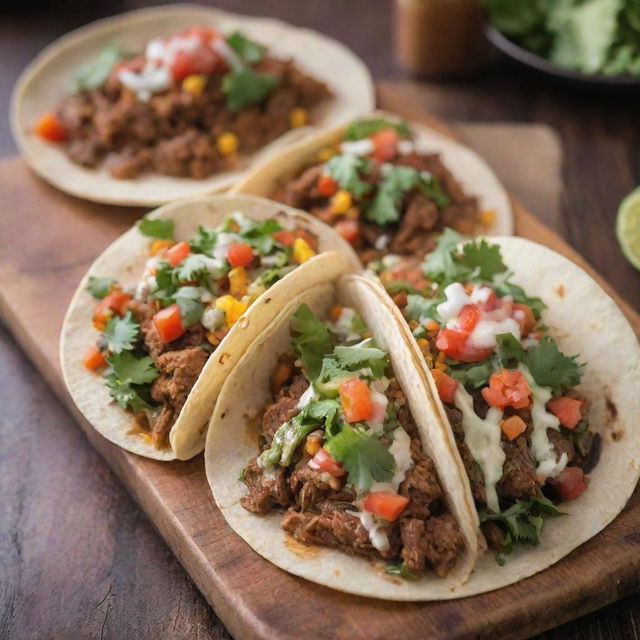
<point x="628" y="227"/>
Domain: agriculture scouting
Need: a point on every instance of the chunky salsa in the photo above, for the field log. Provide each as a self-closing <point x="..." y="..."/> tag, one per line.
<point x="382" y="193"/>
<point x="342" y="457"/>
<point x="190" y="105"/>
<point x="155" y="339"/>
<point x="521" y="425"/>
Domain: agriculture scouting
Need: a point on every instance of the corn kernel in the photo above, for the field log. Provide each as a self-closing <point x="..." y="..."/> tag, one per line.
<point x="487" y="218"/>
<point x="413" y="324"/>
<point x="432" y="326"/>
<point x="441" y="357"/>
<point x="353" y="213"/>
<point x="312" y="446"/>
<point x="212" y="338"/>
<point x="227" y="143"/>
<point x="341" y="202"/>
<point x="232" y="308"/>
<point x="158" y="246"/>
<point x="324" y="155"/>
<point x="194" y="84"/>
<point x="302" y="251"/>
<point x="238" y="281"/>
<point x="298" y="118"/>
<point x="424" y="345"/>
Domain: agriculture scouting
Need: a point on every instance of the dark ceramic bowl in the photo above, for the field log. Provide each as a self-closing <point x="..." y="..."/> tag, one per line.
<point x="548" y="68"/>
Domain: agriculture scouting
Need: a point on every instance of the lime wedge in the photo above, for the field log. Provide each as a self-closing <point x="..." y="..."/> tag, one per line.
<point x="628" y="227"/>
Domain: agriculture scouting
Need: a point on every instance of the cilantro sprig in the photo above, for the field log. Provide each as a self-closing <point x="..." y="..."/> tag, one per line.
<point x="158" y="228"/>
<point x="364" y="128"/>
<point x="121" y="333"/>
<point x="348" y="171"/>
<point x="312" y="339"/>
<point x="99" y="287"/>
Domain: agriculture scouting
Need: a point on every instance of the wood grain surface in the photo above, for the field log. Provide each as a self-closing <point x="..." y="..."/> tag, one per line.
<point x="47" y="469"/>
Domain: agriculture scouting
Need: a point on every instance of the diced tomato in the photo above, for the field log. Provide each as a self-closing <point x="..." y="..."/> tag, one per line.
<point x="386" y="504"/>
<point x="566" y="409"/>
<point x="447" y="385"/>
<point x="523" y="315"/>
<point x="115" y="302"/>
<point x="204" y="34"/>
<point x="201" y="59"/>
<point x="356" y="401"/>
<point x="455" y="344"/>
<point x="407" y="270"/>
<point x="335" y="312"/>
<point x="507" y="388"/>
<point x="513" y="426"/>
<point x="491" y="303"/>
<point x="468" y="317"/>
<point x="385" y="145"/>
<point x="93" y="358"/>
<point x="169" y="323"/>
<point x="284" y="237"/>
<point x="349" y="230"/>
<point x="239" y="254"/>
<point x="323" y="460"/>
<point x="177" y="253"/>
<point x="327" y="186"/>
<point x="570" y="483"/>
<point x="50" y="128"/>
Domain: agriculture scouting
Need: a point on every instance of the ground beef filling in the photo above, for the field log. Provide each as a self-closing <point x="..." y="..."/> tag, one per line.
<point x="175" y="132"/>
<point x="420" y="219"/>
<point x="320" y="508"/>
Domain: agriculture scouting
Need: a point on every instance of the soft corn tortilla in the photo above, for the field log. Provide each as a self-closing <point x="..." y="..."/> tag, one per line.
<point x="124" y="260"/>
<point x="48" y="77"/>
<point x="232" y="441"/>
<point x="586" y="321"/>
<point x="468" y="168"/>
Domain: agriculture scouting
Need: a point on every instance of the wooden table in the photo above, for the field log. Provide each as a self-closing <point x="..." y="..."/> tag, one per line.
<point x="77" y="557"/>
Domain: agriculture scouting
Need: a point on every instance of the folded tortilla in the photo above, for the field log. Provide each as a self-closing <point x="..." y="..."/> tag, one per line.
<point x="125" y="259"/>
<point x="232" y="441"/>
<point x="468" y="168"/>
<point x="48" y="77"/>
<point x="584" y="320"/>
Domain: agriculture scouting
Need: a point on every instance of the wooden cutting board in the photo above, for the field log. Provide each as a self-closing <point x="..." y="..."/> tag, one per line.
<point x="47" y="240"/>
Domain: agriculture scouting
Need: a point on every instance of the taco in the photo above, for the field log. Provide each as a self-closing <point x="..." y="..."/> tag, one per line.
<point x="163" y="315"/>
<point x="177" y="101"/>
<point x="387" y="186"/>
<point x="329" y="467"/>
<point x="535" y="373"/>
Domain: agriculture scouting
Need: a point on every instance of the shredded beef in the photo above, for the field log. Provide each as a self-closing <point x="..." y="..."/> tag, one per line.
<point x="416" y="227"/>
<point x="493" y="534"/>
<point x="179" y="371"/>
<point x="562" y="444"/>
<point x="443" y="543"/>
<point x="265" y="492"/>
<point x="421" y="484"/>
<point x="414" y="544"/>
<point x="284" y="408"/>
<point x="519" y="480"/>
<point x="194" y="336"/>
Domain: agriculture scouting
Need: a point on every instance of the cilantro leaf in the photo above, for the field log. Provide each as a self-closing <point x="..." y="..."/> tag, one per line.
<point x="312" y="339"/>
<point x="158" y="228"/>
<point x="128" y="368"/>
<point x="166" y="279"/>
<point x="422" y="309"/>
<point x="473" y="375"/>
<point x="510" y="351"/>
<point x="394" y="184"/>
<point x="191" y="309"/>
<point x="204" y="240"/>
<point x="357" y="357"/>
<point x="244" y="87"/>
<point x="251" y="52"/>
<point x="346" y="169"/>
<point x="550" y="367"/>
<point x="364" y="457"/>
<point x="358" y="325"/>
<point x="99" y="287"/>
<point x="190" y="268"/>
<point x="397" y="286"/>
<point x="521" y="523"/>
<point x="483" y="258"/>
<point x="400" y="570"/>
<point x="95" y="73"/>
<point x="126" y="395"/>
<point x="258" y="234"/>
<point x="121" y="333"/>
<point x="440" y="265"/>
<point x="365" y="128"/>
<point x="517" y="293"/>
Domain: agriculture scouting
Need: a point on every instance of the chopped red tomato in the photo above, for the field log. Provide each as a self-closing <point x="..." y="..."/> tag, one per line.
<point x="93" y="358"/>
<point x="177" y="253"/>
<point x="327" y="186"/>
<point x="115" y="302"/>
<point x="523" y="315"/>
<point x="204" y="34"/>
<point x="513" y="426"/>
<point x="447" y="385"/>
<point x="323" y="460"/>
<point x="407" y="270"/>
<point x="386" y="504"/>
<point x="385" y="145"/>
<point x="455" y="344"/>
<point x="50" y="128"/>
<point x="468" y="317"/>
<point x="507" y="388"/>
<point x="570" y="483"/>
<point x="356" y="401"/>
<point x="239" y="254"/>
<point x="491" y="303"/>
<point x="349" y="230"/>
<point x="200" y="59"/>
<point x="566" y="409"/>
<point x="169" y="323"/>
<point x="284" y="237"/>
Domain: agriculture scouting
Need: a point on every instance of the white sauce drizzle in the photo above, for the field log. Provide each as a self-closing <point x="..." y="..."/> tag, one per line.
<point x="483" y="439"/>
<point x="357" y="147"/>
